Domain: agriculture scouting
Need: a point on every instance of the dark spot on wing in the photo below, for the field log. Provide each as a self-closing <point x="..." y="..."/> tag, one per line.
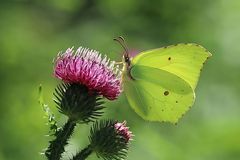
<point x="166" y="93"/>
<point x="176" y="101"/>
<point x="169" y="58"/>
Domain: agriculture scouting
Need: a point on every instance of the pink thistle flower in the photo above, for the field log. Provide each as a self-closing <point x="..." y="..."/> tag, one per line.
<point x="123" y="130"/>
<point x="88" y="68"/>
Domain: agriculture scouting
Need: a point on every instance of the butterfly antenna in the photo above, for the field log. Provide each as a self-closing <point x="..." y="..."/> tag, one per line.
<point x="121" y="41"/>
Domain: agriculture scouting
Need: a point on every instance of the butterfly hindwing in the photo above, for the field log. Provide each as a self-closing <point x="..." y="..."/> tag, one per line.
<point x="157" y="95"/>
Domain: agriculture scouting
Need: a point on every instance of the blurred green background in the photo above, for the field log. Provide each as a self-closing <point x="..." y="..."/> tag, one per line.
<point x="32" y="32"/>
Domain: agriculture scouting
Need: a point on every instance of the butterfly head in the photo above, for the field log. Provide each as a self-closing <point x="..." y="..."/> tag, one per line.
<point x="126" y="57"/>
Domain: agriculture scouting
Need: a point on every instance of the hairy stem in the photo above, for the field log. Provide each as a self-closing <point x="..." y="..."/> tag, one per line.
<point x="83" y="154"/>
<point x="56" y="146"/>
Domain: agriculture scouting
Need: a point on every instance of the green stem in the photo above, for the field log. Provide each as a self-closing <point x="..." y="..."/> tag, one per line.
<point x="56" y="147"/>
<point x="83" y="154"/>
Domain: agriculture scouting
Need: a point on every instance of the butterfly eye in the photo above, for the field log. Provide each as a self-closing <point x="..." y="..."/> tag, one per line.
<point x="126" y="59"/>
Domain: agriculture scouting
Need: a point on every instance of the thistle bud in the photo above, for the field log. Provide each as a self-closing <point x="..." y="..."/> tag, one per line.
<point x="110" y="139"/>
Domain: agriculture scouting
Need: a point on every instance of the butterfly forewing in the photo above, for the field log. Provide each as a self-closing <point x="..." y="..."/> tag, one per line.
<point x="183" y="60"/>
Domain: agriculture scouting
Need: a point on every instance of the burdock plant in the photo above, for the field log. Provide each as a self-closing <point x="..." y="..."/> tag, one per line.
<point x="87" y="78"/>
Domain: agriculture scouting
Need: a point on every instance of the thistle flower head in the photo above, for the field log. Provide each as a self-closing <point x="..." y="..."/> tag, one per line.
<point x="87" y="67"/>
<point x="110" y="139"/>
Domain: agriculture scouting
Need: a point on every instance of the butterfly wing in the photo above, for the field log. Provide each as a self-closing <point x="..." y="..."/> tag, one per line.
<point x="183" y="60"/>
<point x="157" y="95"/>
